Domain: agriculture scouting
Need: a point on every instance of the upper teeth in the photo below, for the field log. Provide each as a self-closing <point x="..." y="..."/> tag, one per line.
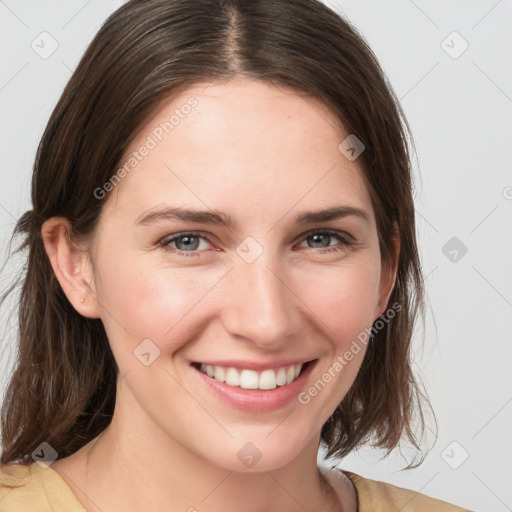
<point x="250" y="379"/>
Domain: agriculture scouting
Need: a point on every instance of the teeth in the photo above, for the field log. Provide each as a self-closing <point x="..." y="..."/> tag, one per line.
<point x="220" y="374"/>
<point x="232" y="377"/>
<point x="281" y="377"/>
<point x="250" y="379"/>
<point x="268" y="380"/>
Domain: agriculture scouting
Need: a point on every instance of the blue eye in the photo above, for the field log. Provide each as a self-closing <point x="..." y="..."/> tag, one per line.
<point x="188" y="244"/>
<point x="325" y="235"/>
<point x="188" y="241"/>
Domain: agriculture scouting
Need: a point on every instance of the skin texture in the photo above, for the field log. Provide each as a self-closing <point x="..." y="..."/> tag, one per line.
<point x="262" y="154"/>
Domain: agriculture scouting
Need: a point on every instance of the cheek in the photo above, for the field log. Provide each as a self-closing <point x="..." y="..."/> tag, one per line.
<point x="344" y="298"/>
<point x="343" y="302"/>
<point x="144" y="301"/>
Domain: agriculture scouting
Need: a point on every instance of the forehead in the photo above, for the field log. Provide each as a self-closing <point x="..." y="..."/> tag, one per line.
<point x="239" y="145"/>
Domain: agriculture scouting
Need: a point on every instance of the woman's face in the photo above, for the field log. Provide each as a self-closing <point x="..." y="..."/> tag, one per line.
<point x="265" y="292"/>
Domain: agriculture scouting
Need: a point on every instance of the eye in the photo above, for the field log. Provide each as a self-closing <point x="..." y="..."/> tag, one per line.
<point x="187" y="244"/>
<point x="322" y="238"/>
<point x="190" y="244"/>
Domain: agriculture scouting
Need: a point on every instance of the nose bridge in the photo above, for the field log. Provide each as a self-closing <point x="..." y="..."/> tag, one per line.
<point x="261" y="305"/>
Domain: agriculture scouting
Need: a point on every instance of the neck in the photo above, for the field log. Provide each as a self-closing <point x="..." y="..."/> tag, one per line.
<point x="134" y="465"/>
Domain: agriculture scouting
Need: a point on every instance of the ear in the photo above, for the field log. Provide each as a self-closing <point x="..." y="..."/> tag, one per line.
<point x="388" y="273"/>
<point x="71" y="266"/>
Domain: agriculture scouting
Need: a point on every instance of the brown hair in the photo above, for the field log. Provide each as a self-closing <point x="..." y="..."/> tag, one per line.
<point x="63" y="387"/>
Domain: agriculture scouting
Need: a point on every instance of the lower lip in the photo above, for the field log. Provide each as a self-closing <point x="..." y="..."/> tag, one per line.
<point x="256" y="400"/>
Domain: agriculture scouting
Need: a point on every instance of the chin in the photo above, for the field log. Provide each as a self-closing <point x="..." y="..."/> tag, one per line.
<point x="259" y="453"/>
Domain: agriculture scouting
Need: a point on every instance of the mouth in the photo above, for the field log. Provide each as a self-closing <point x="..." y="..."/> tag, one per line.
<point x="245" y="378"/>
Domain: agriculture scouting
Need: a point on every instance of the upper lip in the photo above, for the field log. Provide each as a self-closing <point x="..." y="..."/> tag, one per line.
<point x="254" y="365"/>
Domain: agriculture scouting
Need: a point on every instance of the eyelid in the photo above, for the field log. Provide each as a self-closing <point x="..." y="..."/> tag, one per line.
<point x="335" y="232"/>
<point x="187" y="233"/>
<point x="199" y="234"/>
<point x="345" y="238"/>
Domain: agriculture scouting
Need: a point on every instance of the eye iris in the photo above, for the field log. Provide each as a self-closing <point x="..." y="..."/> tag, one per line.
<point x="188" y="245"/>
<point x="321" y="235"/>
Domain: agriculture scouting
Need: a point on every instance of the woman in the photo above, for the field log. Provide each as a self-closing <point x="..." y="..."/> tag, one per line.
<point x="185" y="344"/>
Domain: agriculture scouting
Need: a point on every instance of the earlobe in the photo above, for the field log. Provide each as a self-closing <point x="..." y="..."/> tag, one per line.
<point x="71" y="266"/>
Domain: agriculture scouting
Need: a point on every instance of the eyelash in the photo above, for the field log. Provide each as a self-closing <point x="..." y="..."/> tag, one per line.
<point x="345" y="242"/>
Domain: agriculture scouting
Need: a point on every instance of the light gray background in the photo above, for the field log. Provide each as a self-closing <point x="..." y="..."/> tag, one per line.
<point x="459" y="105"/>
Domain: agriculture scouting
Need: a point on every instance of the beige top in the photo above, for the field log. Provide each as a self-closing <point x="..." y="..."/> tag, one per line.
<point x="26" y="488"/>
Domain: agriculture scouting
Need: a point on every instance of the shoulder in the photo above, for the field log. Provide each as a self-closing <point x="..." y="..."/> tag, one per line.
<point x="18" y="489"/>
<point x="378" y="496"/>
<point x="25" y="488"/>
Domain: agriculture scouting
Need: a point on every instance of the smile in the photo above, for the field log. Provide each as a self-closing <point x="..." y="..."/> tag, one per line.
<point x="254" y="386"/>
<point x="251" y="379"/>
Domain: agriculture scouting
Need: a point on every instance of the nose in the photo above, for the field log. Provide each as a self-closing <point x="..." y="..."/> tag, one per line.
<point x="261" y="306"/>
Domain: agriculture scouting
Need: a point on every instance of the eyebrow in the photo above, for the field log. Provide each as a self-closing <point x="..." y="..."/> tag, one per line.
<point x="223" y="219"/>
